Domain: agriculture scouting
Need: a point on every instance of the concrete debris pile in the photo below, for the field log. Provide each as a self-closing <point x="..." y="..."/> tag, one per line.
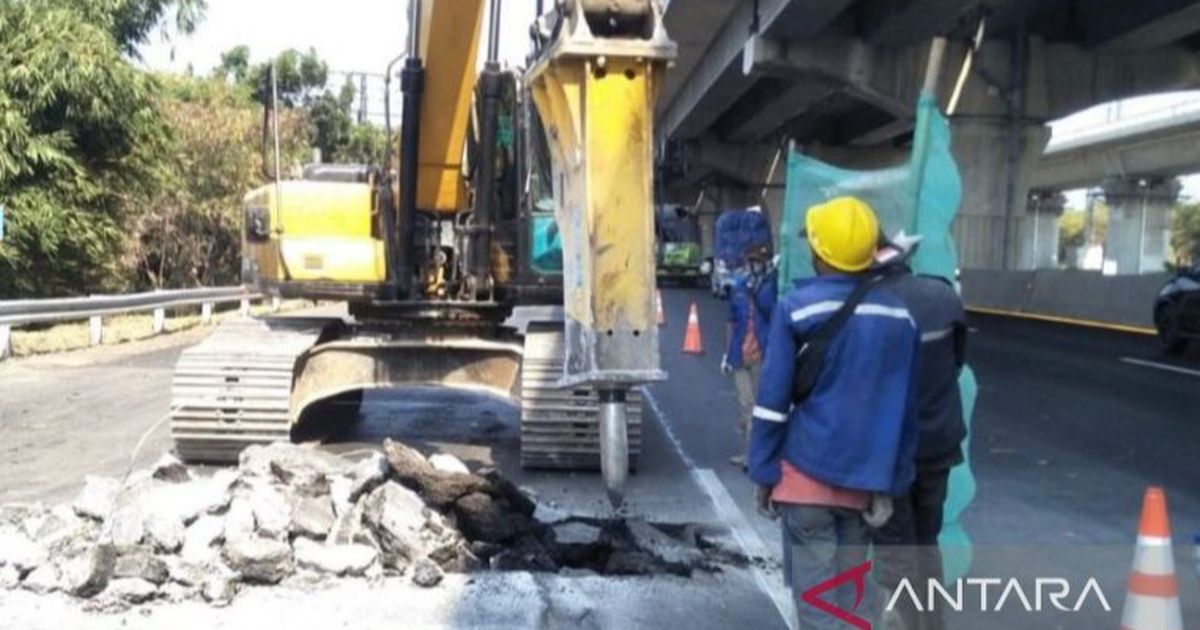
<point x="296" y="515"/>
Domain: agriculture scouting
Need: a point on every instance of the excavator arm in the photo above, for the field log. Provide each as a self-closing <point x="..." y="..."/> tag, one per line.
<point x="594" y="82"/>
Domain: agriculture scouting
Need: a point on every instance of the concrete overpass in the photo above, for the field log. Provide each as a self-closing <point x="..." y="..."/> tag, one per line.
<point x="1135" y="160"/>
<point x="840" y="77"/>
<point x="1155" y="145"/>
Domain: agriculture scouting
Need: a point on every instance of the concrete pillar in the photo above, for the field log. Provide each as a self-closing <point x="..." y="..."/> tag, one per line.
<point x="5" y="341"/>
<point x="1139" y="223"/>
<point x="981" y="148"/>
<point x="1037" y="231"/>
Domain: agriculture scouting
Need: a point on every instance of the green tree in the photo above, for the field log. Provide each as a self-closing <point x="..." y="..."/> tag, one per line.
<point x="1185" y="234"/>
<point x="331" y="129"/>
<point x="79" y="135"/>
<point x="235" y="64"/>
<point x="365" y="145"/>
<point x="130" y="22"/>
<point x="299" y="77"/>
<point x="189" y="231"/>
<point x="1072" y="230"/>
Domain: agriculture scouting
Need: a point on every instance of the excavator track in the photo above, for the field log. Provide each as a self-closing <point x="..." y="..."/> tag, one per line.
<point x="560" y="427"/>
<point x="233" y="389"/>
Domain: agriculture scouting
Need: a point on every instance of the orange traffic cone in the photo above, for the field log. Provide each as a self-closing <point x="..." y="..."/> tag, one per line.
<point x="691" y="339"/>
<point x="1152" y="602"/>
<point x="662" y="319"/>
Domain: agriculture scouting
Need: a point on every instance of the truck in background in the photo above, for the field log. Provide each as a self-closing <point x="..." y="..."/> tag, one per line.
<point x="679" y="252"/>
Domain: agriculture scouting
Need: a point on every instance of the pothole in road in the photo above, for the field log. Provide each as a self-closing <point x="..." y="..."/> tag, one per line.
<point x="296" y="515"/>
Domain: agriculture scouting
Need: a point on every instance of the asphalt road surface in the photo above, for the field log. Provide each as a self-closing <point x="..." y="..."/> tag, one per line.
<point x="1071" y="426"/>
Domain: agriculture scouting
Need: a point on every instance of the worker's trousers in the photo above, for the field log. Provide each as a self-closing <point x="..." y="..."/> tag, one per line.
<point x="907" y="546"/>
<point x="745" y="380"/>
<point x="819" y="544"/>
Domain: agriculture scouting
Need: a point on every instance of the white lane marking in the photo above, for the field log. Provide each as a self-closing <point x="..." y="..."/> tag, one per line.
<point x="1160" y="366"/>
<point x="748" y="539"/>
<point x="648" y="396"/>
<point x="743" y="532"/>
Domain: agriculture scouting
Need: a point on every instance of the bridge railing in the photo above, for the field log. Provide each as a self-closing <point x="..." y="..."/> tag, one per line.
<point x="16" y="313"/>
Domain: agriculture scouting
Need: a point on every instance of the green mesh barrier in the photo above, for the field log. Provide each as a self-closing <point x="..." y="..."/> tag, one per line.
<point x="920" y="197"/>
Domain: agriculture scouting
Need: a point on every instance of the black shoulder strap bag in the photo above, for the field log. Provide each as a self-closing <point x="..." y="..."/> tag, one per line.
<point x="810" y="358"/>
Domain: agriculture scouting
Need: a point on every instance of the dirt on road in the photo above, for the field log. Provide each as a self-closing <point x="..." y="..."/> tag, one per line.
<point x="68" y="415"/>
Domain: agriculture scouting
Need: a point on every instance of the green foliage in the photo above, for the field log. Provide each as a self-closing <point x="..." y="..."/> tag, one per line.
<point x="329" y="126"/>
<point x="300" y="77"/>
<point x="366" y="145"/>
<point x="188" y="232"/>
<point x="1185" y="234"/>
<point x="78" y="134"/>
<point x="1072" y="230"/>
<point x="114" y="178"/>
<point x="235" y="64"/>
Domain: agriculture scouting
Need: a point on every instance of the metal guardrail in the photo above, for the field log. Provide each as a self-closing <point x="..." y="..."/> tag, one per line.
<point x="15" y="313"/>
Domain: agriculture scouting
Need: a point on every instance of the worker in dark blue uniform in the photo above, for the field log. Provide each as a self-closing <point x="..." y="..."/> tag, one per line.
<point x="750" y="304"/>
<point x="906" y="545"/>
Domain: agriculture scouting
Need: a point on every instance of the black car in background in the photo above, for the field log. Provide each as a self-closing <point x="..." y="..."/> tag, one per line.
<point x="1177" y="311"/>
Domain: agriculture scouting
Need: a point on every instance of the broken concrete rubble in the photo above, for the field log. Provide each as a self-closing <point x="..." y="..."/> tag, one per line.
<point x="219" y="589"/>
<point x="17" y="550"/>
<point x="352" y="559"/>
<point x="141" y="564"/>
<point x="127" y="527"/>
<point x="399" y="517"/>
<point x="296" y="515"/>
<point x="448" y="463"/>
<point x="131" y="590"/>
<point x="10" y="577"/>
<point x="426" y="573"/>
<point x="259" y="560"/>
<point x="164" y="532"/>
<point x="44" y="579"/>
<point x="169" y="468"/>
<point x="97" y="498"/>
<point x="483" y="517"/>
<point x="311" y="516"/>
<point x="86" y="571"/>
<point x="201" y="537"/>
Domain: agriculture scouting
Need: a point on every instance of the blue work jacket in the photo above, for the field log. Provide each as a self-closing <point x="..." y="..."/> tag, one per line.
<point x="858" y="428"/>
<point x="750" y="297"/>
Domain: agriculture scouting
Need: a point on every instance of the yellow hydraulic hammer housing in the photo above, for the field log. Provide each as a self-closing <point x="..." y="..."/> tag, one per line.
<point x="594" y="86"/>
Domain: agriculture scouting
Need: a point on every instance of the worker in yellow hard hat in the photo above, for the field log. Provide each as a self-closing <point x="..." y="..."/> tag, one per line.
<point x="834" y="433"/>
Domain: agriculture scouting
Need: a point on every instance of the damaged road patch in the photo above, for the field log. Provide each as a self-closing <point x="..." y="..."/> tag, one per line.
<point x="291" y="514"/>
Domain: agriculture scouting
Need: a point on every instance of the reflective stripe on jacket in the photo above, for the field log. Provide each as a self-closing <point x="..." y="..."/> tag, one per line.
<point x="858" y="428"/>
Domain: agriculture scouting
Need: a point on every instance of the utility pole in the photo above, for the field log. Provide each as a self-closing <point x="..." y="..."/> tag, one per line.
<point x="362" y="98"/>
<point x="1141" y="245"/>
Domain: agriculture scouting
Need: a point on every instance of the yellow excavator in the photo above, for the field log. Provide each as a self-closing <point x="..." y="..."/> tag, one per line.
<point x="510" y="190"/>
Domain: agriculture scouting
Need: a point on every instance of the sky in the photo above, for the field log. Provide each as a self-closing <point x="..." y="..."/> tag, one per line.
<point x="351" y="35"/>
<point x="364" y="35"/>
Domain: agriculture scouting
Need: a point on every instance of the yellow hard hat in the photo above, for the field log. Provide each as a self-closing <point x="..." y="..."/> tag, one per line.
<point x="843" y="232"/>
